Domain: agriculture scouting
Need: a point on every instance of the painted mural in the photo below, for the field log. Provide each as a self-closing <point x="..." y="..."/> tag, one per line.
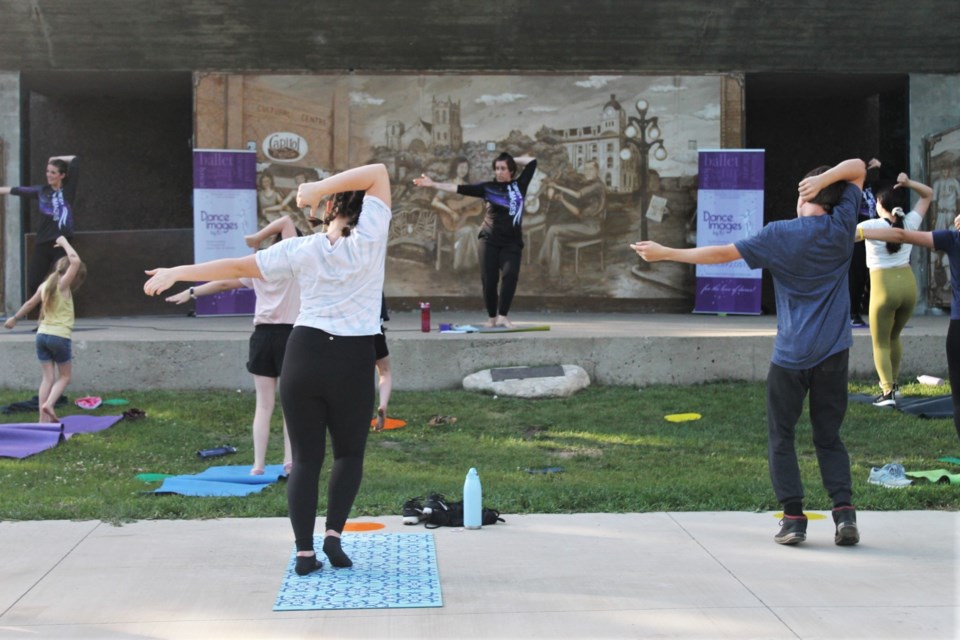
<point x="616" y="162"/>
<point x="943" y="167"/>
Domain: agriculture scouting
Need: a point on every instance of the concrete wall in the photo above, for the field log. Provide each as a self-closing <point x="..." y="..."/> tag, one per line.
<point x="11" y="240"/>
<point x="423" y="364"/>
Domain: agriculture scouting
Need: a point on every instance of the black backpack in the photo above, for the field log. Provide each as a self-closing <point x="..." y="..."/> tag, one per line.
<point x="452" y="516"/>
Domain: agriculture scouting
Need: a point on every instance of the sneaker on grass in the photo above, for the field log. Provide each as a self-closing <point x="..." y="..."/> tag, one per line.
<point x="889" y="475"/>
<point x="887" y="399"/>
<point x="793" y="530"/>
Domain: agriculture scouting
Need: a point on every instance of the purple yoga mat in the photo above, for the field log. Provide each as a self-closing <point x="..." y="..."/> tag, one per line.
<point x="23" y="439"/>
<point x="88" y="424"/>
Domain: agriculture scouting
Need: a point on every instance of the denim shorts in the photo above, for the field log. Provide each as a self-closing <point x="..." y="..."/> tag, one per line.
<point x="53" y="348"/>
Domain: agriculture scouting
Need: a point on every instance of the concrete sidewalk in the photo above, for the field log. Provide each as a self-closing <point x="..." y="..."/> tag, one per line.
<point x="675" y="575"/>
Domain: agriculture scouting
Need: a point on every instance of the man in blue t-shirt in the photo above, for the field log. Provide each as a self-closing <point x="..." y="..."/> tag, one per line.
<point x="808" y="257"/>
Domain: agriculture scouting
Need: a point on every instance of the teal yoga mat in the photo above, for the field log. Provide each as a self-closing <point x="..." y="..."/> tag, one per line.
<point x="222" y="481"/>
<point x="390" y="571"/>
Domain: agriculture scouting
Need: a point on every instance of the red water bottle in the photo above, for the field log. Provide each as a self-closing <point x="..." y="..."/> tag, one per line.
<point x="425" y="317"/>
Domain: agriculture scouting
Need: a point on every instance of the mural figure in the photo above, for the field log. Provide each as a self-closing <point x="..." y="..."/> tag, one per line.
<point x="943" y="161"/>
<point x="589" y="207"/>
<point x="269" y="201"/>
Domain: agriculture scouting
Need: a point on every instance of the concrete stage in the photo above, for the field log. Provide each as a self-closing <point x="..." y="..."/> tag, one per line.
<point x="164" y="352"/>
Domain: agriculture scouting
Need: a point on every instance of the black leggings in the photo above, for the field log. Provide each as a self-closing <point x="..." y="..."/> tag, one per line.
<point x="495" y="260"/>
<point x="42" y="260"/>
<point x="953" y="367"/>
<point x="327" y="384"/>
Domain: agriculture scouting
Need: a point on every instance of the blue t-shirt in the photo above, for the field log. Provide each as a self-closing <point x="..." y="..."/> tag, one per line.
<point x="948" y="241"/>
<point x="809" y="259"/>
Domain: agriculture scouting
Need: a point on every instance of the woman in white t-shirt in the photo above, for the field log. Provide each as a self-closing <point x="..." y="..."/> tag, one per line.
<point x="893" y="288"/>
<point x="328" y="370"/>
<point x="277" y="306"/>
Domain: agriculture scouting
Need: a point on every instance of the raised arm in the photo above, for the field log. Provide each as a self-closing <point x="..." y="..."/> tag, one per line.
<point x="67" y="278"/>
<point x="372" y="178"/>
<point x="923" y="191"/>
<point x="426" y="181"/>
<point x="223" y="269"/>
<point x="896" y="234"/>
<point x="524" y="159"/>
<point x="853" y="170"/>
<point x="284" y="226"/>
<point x="716" y="254"/>
<point x="67" y="159"/>
<point x="205" y="289"/>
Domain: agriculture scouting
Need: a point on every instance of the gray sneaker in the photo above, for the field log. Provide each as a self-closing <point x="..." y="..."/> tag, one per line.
<point x="847" y="532"/>
<point x="793" y="530"/>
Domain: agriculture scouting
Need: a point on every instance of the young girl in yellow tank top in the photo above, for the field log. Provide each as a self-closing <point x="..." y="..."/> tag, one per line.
<point x="55" y="297"/>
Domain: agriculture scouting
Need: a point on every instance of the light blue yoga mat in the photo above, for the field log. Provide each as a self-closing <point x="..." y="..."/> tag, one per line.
<point x="222" y="481"/>
<point x="390" y="571"/>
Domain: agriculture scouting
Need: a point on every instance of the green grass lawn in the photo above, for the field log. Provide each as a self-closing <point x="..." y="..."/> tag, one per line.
<point x="617" y="452"/>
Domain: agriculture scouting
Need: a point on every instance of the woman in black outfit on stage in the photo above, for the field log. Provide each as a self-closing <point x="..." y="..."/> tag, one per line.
<point x="501" y="235"/>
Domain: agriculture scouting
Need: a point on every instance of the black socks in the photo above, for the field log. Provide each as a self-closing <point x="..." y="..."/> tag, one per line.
<point x="331" y="547"/>
<point x="307" y="564"/>
<point x="793" y="509"/>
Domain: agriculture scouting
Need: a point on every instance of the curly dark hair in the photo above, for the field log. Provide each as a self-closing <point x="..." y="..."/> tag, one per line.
<point x="346" y="204"/>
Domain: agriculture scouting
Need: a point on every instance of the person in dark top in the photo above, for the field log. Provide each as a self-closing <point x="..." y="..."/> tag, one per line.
<point x="808" y="257"/>
<point x="56" y="201"/>
<point x="501" y="233"/>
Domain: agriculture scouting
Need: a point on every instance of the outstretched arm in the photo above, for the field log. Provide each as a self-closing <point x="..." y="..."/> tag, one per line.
<point x="372" y="178"/>
<point x="23" y="311"/>
<point x="716" y="254"/>
<point x="853" y="170"/>
<point x="922" y="190"/>
<point x="896" y="234"/>
<point x="206" y="289"/>
<point x="223" y="269"/>
<point x="426" y="181"/>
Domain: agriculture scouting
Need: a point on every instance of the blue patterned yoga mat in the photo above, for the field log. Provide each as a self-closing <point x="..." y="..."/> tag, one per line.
<point x="390" y="571"/>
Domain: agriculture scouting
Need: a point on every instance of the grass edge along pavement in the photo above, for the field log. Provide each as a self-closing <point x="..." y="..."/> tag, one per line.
<point x="617" y="453"/>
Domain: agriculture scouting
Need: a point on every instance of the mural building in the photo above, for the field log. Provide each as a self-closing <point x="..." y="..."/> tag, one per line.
<point x="616" y="162"/>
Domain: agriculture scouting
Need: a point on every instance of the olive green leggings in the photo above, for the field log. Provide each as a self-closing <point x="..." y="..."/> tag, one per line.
<point x="893" y="295"/>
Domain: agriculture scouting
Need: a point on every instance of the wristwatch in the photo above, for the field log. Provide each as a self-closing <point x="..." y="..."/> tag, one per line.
<point x="192" y="294"/>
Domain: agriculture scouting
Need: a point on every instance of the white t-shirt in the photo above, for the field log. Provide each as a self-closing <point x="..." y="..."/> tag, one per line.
<point x="278" y="301"/>
<point x="877" y="255"/>
<point x="341" y="284"/>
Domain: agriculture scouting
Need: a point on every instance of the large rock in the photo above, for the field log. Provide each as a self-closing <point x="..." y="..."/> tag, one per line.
<point x="573" y="379"/>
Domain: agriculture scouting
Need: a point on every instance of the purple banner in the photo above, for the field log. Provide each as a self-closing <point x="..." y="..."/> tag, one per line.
<point x="728" y="295"/>
<point x="731" y="170"/>
<point x="729" y="208"/>
<point x="224" y="211"/>
<point x="236" y="302"/>
<point x="213" y="169"/>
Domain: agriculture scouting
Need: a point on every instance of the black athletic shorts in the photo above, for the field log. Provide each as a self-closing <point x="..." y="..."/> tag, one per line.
<point x="267" y="346"/>
<point x="380" y="344"/>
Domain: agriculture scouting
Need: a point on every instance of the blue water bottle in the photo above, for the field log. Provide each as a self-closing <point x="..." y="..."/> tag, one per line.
<point x="472" y="501"/>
